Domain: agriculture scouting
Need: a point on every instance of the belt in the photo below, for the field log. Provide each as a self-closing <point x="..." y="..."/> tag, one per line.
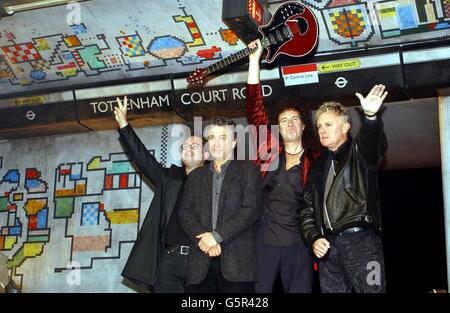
<point x="183" y="250"/>
<point x="346" y="231"/>
<point x="352" y="230"/>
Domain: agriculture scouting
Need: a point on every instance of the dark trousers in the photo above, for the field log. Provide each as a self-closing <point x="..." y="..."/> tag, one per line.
<point x="293" y="263"/>
<point x="171" y="273"/>
<point x="354" y="262"/>
<point x="214" y="282"/>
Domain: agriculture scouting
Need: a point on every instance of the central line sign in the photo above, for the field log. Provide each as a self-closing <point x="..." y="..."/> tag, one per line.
<point x="300" y="74"/>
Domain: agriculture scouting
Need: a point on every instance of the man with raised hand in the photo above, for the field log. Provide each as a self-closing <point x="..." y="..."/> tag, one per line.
<point x="159" y="255"/>
<point x="281" y="250"/>
<point x="340" y="216"/>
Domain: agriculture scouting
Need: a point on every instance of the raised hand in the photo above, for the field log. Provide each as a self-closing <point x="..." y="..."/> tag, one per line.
<point x="371" y="104"/>
<point x="253" y="65"/>
<point x="120" y="112"/>
<point x="256" y="54"/>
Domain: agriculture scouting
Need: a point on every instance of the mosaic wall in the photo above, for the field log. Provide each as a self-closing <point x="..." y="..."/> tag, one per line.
<point x="69" y="215"/>
<point x="112" y="39"/>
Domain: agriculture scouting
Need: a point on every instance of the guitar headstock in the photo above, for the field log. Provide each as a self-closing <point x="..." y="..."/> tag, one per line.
<point x="197" y="77"/>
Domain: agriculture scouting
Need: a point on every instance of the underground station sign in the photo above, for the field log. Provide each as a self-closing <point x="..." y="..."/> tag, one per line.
<point x="150" y="103"/>
<point x="39" y="120"/>
<point x="224" y="95"/>
<point x="326" y="78"/>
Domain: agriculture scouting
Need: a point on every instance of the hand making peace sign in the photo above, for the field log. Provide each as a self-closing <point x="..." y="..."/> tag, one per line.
<point x="120" y="112"/>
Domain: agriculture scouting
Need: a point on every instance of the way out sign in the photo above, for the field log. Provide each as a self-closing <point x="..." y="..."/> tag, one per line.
<point x="300" y="74"/>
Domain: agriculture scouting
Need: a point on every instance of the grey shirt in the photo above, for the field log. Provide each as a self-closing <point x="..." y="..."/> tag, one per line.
<point x="217" y="181"/>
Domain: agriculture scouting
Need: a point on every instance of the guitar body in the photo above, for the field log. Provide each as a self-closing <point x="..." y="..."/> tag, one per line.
<point x="292" y="30"/>
<point x="303" y="26"/>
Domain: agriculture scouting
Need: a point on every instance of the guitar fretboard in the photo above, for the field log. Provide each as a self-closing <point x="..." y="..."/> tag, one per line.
<point x="276" y="35"/>
<point x="229" y="60"/>
<point x="233" y="58"/>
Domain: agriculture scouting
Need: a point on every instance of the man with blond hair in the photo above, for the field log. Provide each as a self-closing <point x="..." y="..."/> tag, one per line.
<point x="340" y="218"/>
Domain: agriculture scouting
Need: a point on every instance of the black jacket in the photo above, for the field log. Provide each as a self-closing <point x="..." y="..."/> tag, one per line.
<point x="239" y="209"/>
<point x="142" y="264"/>
<point x="353" y="200"/>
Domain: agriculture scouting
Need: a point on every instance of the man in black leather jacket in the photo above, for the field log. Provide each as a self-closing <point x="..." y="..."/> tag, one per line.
<point x="159" y="255"/>
<point x="340" y="219"/>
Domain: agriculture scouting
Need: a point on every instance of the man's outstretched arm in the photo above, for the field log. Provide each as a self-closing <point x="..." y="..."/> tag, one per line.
<point x="371" y="140"/>
<point x="146" y="162"/>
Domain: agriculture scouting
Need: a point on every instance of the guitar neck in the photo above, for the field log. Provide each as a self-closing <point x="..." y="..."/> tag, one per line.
<point x="232" y="58"/>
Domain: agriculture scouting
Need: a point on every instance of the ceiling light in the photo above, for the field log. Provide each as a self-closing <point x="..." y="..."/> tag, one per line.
<point x="11" y="7"/>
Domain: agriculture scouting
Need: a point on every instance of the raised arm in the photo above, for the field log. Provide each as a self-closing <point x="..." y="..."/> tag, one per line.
<point x="145" y="161"/>
<point x="256" y="113"/>
<point x="371" y="139"/>
<point x="254" y="106"/>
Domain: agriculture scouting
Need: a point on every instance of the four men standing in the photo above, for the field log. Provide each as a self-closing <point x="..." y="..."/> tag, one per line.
<point x="240" y="231"/>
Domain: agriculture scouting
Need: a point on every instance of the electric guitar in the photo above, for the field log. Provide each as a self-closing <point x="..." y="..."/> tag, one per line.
<point x="292" y="31"/>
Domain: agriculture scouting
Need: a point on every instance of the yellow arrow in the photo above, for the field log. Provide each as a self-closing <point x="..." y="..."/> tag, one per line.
<point x="339" y="65"/>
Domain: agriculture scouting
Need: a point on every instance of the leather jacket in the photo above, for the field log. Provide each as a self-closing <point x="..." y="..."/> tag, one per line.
<point x="353" y="199"/>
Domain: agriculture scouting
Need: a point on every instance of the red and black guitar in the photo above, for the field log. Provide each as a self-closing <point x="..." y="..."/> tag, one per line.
<point x="292" y="30"/>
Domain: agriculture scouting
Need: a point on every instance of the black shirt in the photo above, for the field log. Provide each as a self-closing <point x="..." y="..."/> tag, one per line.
<point x="175" y="235"/>
<point x="283" y="208"/>
<point x="217" y="181"/>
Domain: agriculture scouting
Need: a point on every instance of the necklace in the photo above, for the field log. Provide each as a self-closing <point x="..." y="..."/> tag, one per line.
<point x="301" y="150"/>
